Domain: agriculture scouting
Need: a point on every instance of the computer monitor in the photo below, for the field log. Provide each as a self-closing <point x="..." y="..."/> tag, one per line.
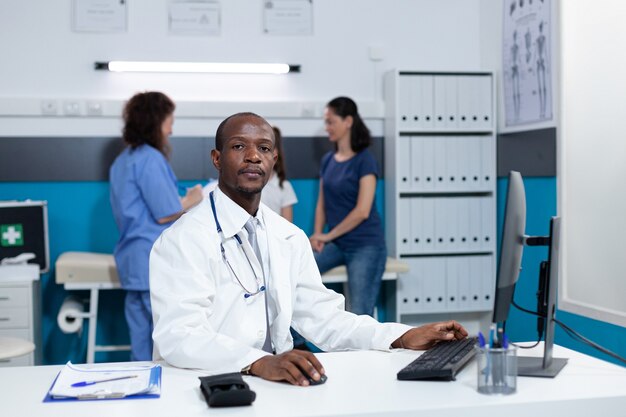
<point x="511" y="249"/>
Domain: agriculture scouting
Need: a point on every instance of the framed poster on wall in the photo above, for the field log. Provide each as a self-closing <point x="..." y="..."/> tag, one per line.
<point x="527" y="63"/>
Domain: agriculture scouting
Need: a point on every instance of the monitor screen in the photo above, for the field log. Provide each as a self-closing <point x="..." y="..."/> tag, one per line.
<point x="511" y="247"/>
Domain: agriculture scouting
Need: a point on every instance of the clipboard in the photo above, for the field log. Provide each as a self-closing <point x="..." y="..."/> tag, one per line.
<point x="100" y="388"/>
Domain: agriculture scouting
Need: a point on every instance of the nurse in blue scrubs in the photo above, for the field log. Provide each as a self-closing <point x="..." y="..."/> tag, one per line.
<point x="145" y="201"/>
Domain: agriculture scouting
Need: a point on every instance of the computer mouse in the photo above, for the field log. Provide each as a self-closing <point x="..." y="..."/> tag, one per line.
<point x="320" y="381"/>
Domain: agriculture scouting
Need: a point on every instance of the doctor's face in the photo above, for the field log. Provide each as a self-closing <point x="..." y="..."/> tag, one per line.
<point x="247" y="157"/>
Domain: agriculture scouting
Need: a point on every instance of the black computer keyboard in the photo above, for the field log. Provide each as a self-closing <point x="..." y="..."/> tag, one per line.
<point x="442" y="362"/>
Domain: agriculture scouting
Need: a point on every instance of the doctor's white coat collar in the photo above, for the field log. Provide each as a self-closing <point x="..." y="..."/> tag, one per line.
<point x="232" y="216"/>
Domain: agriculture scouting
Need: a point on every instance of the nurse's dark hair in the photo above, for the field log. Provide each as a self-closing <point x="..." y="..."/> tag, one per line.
<point x="279" y="166"/>
<point x="360" y="137"/>
<point x="144" y="115"/>
<point x="219" y="134"/>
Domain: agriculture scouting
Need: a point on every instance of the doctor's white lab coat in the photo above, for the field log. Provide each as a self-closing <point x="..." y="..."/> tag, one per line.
<point x="201" y="318"/>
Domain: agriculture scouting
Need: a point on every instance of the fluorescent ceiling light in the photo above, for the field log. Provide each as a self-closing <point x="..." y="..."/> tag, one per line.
<point x="202" y="67"/>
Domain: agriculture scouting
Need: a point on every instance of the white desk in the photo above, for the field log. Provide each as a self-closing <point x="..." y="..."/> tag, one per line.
<point x="359" y="383"/>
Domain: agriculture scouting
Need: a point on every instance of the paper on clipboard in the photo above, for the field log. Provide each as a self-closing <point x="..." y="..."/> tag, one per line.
<point x="106" y="383"/>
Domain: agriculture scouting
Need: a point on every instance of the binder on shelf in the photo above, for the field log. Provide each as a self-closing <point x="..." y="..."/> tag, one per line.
<point x="428" y="163"/>
<point x="404" y="163"/>
<point x="485" y="94"/>
<point x="417" y="167"/>
<point x="434" y="284"/>
<point x="441" y="166"/>
<point x="488" y="164"/>
<point x="463" y="164"/>
<point x="451" y="101"/>
<point x="452" y="227"/>
<point x="476" y="282"/>
<point x="410" y="292"/>
<point x="465" y="97"/>
<point x="487" y="222"/>
<point x="453" y="156"/>
<point x="96" y="382"/>
<point x="440" y="101"/>
<point x="464" y="225"/>
<point x="417" y="235"/>
<point x="415" y="110"/>
<point x="428" y="224"/>
<point x="464" y="283"/>
<point x="406" y="218"/>
<point x="475" y="241"/>
<point x="474" y="156"/>
<point x="441" y="224"/>
<point x="404" y="102"/>
<point x="452" y="283"/>
<point x="427" y="97"/>
<point x="488" y="273"/>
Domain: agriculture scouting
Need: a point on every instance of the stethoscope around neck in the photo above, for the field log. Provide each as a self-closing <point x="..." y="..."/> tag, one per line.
<point x="259" y="286"/>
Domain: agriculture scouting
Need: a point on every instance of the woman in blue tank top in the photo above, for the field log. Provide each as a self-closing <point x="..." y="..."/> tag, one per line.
<point x="346" y="205"/>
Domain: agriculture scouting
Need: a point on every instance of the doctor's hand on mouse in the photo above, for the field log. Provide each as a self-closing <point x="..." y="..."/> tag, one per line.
<point x="298" y="367"/>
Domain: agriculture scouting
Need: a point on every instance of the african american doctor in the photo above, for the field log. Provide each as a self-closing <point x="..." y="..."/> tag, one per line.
<point x="229" y="278"/>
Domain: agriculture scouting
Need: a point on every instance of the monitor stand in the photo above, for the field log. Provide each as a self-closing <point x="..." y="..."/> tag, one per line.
<point x="527" y="366"/>
<point x="546" y="366"/>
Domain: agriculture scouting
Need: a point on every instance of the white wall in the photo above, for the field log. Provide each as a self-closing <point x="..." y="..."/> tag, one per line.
<point x="593" y="150"/>
<point x="41" y="58"/>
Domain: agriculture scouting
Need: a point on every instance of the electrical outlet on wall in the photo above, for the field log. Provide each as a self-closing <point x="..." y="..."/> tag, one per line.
<point x="94" y="108"/>
<point x="71" y="108"/>
<point x="49" y="107"/>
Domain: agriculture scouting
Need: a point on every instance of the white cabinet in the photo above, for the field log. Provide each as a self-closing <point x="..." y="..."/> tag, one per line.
<point x="440" y="182"/>
<point x="19" y="310"/>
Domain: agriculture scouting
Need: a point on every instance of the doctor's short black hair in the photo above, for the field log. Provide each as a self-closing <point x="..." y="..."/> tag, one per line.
<point x="219" y="134"/>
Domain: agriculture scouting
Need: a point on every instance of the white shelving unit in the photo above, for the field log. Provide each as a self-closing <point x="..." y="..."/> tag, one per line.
<point x="440" y="182"/>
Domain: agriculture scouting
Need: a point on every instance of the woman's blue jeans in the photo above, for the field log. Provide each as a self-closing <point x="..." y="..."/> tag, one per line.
<point x="365" y="265"/>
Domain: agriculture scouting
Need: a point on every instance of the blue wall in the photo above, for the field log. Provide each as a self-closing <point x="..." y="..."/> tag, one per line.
<point x="80" y="219"/>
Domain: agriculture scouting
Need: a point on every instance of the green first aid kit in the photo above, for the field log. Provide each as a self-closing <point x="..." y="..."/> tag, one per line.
<point x="24" y="230"/>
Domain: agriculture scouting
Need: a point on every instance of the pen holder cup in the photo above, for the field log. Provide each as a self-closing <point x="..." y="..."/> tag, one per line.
<point x="497" y="370"/>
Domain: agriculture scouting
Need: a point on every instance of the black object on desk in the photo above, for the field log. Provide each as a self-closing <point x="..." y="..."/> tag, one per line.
<point x="226" y="390"/>
<point x="441" y="362"/>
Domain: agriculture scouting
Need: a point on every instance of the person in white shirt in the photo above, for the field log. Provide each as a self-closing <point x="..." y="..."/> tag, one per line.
<point x="278" y="194"/>
<point x="223" y="300"/>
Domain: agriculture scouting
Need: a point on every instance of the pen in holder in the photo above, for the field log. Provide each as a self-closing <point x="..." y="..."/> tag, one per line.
<point x="497" y="369"/>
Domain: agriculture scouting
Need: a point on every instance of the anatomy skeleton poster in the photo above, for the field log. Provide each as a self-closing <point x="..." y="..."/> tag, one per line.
<point x="527" y="61"/>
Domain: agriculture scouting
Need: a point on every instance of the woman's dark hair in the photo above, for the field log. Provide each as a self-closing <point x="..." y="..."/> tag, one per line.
<point x="279" y="166"/>
<point x="360" y="137"/>
<point x="144" y="115"/>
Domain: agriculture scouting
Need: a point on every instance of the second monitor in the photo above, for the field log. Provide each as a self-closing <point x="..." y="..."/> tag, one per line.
<point x="513" y="241"/>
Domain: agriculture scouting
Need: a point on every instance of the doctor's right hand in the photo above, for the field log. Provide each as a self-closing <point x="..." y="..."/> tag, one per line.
<point x="293" y="366"/>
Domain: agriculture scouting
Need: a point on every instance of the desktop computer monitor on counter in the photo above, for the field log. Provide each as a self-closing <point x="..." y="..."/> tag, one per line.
<point x="509" y="265"/>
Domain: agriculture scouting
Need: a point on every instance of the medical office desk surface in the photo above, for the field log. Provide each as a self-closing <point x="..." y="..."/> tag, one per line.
<point x="359" y="383"/>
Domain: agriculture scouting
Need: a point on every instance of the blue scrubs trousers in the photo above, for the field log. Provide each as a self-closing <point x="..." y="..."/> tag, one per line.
<point x="139" y="317"/>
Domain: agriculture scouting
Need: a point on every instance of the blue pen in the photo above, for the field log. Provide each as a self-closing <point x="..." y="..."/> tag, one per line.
<point x="87" y="383"/>
<point x="505" y="341"/>
<point x="481" y="340"/>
